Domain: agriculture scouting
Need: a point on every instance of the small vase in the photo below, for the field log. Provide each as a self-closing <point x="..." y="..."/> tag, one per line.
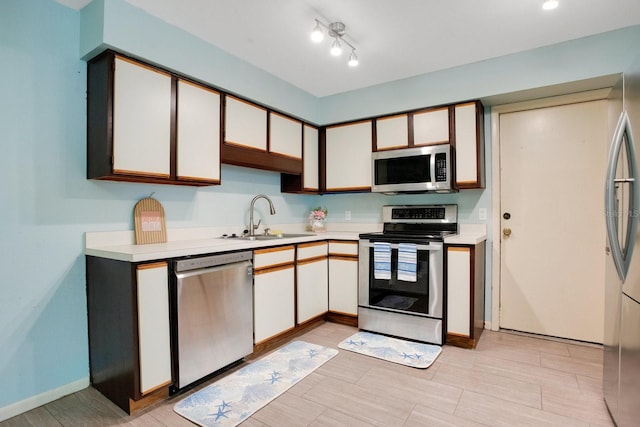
<point x="318" y="226"/>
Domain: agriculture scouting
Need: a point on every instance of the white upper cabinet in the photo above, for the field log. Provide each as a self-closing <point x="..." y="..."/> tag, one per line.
<point x="245" y="124"/>
<point x="141" y="120"/>
<point x="285" y="135"/>
<point x="348" y="157"/>
<point x="311" y="161"/>
<point x="392" y="132"/>
<point x="198" y="133"/>
<point x="431" y="126"/>
<point x="469" y="147"/>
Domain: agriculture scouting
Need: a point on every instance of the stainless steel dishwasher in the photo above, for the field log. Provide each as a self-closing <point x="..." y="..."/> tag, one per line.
<point x="214" y="313"/>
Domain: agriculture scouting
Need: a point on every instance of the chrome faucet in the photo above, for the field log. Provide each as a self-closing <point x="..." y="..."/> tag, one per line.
<point x="272" y="211"/>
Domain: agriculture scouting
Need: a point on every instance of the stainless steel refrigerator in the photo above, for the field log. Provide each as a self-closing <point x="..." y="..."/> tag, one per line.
<point x="621" y="379"/>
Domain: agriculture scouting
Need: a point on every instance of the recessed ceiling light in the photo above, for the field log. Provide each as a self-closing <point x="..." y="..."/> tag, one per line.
<point x="550" y="4"/>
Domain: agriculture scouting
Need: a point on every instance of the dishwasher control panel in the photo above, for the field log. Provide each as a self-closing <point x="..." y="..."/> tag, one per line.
<point x="211" y="261"/>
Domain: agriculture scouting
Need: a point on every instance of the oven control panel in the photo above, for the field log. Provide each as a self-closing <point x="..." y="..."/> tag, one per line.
<point x="420" y="213"/>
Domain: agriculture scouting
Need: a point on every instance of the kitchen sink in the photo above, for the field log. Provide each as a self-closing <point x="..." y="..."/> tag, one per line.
<point x="274" y="236"/>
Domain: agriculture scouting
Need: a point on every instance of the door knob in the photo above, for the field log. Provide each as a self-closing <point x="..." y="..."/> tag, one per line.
<point x="506" y="232"/>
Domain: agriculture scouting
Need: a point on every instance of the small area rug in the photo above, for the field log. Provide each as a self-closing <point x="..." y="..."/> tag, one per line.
<point x="408" y="353"/>
<point x="234" y="398"/>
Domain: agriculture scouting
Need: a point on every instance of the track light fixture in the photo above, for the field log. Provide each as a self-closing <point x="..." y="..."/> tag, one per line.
<point x="337" y="31"/>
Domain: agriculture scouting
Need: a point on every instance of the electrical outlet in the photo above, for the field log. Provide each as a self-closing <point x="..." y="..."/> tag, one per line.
<point x="347" y="215"/>
<point x="482" y="214"/>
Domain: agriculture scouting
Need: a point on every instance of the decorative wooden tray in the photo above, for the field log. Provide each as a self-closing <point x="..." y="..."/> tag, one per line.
<point x="149" y="222"/>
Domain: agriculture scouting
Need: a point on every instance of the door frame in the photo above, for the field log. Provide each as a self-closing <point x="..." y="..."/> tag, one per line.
<point x="496" y="235"/>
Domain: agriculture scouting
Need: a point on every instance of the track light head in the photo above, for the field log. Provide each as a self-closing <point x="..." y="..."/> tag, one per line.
<point x="353" y="59"/>
<point x="337" y="30"/>
<point x="336" y="49"/>
<point x="317" y="35"/>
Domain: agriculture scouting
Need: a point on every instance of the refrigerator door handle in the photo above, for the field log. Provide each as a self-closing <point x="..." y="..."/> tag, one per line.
<point x="621" y="252"/>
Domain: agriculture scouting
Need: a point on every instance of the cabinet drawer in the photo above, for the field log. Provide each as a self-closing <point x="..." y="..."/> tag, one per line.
<point x="273" y="257"/>
<point x="312" y="250"/>
<point x="337" y="247"/>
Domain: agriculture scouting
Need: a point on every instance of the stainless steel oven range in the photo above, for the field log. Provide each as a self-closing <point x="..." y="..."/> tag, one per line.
<point x="401" y="272"/>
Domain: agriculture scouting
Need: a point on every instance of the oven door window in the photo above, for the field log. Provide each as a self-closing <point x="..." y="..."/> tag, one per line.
<point x="397" y="294"/>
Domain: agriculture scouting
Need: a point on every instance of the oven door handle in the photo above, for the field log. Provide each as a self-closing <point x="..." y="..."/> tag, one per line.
<point x="433" y="246"/>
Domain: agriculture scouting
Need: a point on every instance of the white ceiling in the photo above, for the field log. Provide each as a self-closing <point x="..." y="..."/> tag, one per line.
<point x="394" y="39"/>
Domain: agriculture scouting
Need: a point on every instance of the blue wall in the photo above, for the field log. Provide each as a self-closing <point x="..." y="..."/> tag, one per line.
<point x="48" y="204"/>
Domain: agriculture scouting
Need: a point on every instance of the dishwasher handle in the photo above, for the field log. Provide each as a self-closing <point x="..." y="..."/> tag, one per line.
<point x="201" y="262"/>
<point x="201" y="271"/>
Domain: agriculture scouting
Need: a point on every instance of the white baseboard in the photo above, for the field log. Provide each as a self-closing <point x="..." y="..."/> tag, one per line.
<point x="33" y="402"/>
<point x="487" y="325"/>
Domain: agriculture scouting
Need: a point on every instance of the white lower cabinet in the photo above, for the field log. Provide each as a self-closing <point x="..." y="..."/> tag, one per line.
<point x="459" y="291"/>
<point x="312" y="281"/>
<point x="343" y="277"/>
<point x="273" y="302"/>
<point x="465" y="266"/>
<point x="273" y="292"/>
<point x="153" y="326"/>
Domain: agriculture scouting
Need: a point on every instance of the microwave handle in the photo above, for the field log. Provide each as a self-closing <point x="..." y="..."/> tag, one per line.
<point x="433" y="246"/>
<point x="432" y="166"/>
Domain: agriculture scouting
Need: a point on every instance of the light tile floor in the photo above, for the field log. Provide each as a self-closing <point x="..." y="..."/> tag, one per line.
<point x="508" y="380"/>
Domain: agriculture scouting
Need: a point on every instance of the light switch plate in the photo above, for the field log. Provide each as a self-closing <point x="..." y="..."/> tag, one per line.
<point x="482" y="214"/>
<point x="347" y="215"/>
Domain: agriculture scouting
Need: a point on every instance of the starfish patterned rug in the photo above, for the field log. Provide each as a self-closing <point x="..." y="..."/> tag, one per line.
<point x="232" y="399"/>
<point x="409" y="353"/>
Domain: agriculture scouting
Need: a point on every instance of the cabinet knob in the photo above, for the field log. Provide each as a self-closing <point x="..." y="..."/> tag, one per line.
<point x="506" y="232"/>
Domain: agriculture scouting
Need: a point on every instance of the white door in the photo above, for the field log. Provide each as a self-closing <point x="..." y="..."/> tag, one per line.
<point x="552" y="172"/>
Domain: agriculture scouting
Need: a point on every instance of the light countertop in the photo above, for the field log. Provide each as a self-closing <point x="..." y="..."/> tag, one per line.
<point x="468" y="234"/>
<point x="119" y="245"/>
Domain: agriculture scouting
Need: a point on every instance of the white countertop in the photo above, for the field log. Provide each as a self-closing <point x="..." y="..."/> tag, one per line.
<point x="468" y="234"/>
<point x="119" y="245"/>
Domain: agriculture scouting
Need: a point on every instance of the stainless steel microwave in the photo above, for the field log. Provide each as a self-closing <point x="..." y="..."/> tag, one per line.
<point x="414" y="170"/>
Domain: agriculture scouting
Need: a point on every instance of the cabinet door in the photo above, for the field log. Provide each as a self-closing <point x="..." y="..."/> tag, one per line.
<point x="141" y="120"/>
<point x="459" y="290"/>
<point x="273" y="301"/>
<point x="348" y="157"/>
<point x="311" y="162"/>
<point x="392" y="132"/>
<point x="153" y="326"/>
<point x="431" y="126"/>
<point x="313" y="288"/>
<point x="245" y="124"/>
<point x="285" y="136"/>
<point x="198" y="133"/>
<point x="343" y="285"/>
<point x="469" y="152"/>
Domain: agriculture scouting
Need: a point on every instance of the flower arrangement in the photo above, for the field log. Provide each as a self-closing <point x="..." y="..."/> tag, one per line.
<point x="316" y="219"/>
<point x="318" y="214"/>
